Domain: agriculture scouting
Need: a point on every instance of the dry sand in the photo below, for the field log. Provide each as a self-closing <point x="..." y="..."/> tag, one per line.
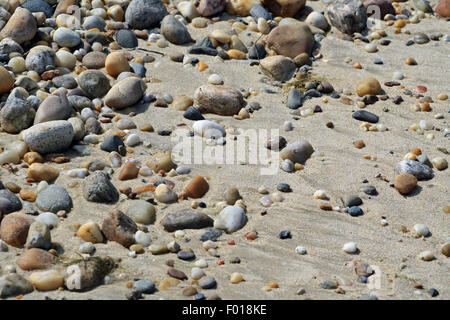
<point x="336" y="166"/>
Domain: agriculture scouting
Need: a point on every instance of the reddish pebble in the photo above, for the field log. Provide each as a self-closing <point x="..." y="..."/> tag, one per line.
<point x="421" y="89"/>
<point x="231" y="242"/>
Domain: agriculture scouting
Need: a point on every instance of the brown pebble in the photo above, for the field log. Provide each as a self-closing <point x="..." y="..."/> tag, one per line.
<point x="359" y="144"/>
<point x="189" y="291"/>
<point x="446" y="250"/>
<point x="177" y="274"/>
<point x="405" y="183"/>
<point x="197" y="188"/>
<point x="411" y="61"/>
<point x="325" y="207"/>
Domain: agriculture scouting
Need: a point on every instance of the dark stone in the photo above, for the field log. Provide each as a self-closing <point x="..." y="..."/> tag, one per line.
<point x="120" y="228"/>
<point x="363" y="115"/>
<point x="111" y="143"/>
<point x="202" y="50"/>
<point x="355" y="211"/>
<point x="285" y="234"/>
<point x="98" y="188"/>
<point x="258" y="11"/>
<point x="9" y="202"/>
<point x="284" y="187"/>
<point x="370" y="190"/>
<point x="192" y="113"/>
<point x="211" y="234"/>
<point x="138" y="69"/>
<point x="126" y="38"/>
<point x="39" y="6"/>
<point x="143" y="14"/>
<point x="370" y="99"/>
<point x="295" y="99"/>
<point x="185" y="255"/>
<point x="257" y="51"/>
<point x="186" y="219"/>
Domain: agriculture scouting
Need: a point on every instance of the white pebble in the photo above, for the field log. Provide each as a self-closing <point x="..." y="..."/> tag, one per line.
<point x="87" y="247"/>
<point x="398" y="75"/>
<point x="426" y="124"/>
<point x="215" y="79"/>
<point x="421" y="230"/>
<point x="265" y="201"/>
<point x="287" y="126"/>
<point x="142" y="238"/>
<point x="197" y="273"/>
<point x="350" y="247"/>
<point x="300" y="250"/>
<point x="320" y="194"/>
<point x="201" y="263"/>
<point x="48" y="218"/>
<point x="133" y="140"/>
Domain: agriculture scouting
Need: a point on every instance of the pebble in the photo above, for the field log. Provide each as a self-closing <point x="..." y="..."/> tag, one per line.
<point x="421" y="230"/>
<point x="144" y="286"/>
<point x="350" y="247"/>
<point x="230" y="219"/>
<point x="207" y="282"/>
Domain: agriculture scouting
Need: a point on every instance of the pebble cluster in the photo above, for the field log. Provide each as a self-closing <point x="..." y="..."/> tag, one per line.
<point x="75" y="77"/>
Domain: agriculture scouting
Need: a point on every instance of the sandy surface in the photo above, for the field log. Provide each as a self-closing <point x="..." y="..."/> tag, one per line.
<point x="336" y="166"/>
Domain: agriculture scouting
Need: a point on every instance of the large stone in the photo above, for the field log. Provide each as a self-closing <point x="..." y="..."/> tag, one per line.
<point x="39" y="236"/>
<point x="291" y="39"/>
<point x="49" y="137"/>
<point x="174" y="31"/>
<point x="142" y="212"/>
<point x="297" y="152"/>
<point x="53" y="199"/>
<point x="17" y="114"/>
<point x="7" y="46"/>
<point x="443" y="9"/>
<point x="66" y="37"/>
<point x="368" y="86"/>
<point x="35" y="258"/>
<point x="120" y="228"/>
<point x="211" y="7"/>
<point x="284" y="8"/>
<point x="186" y="219"/>
<point x="20" y="27"/>
<point x="38" y="6"/>
<point x="98" y="188"/>
<point x="231" y="219"/>
<point x="39" y="58"/>
<point x="88" y="273"/>
<point x="94" y="83"/>
<point x="9" y="202"/>
<point x="279" y="67"/>
<point x="220" y="100"/>
<point x="42" y="172"/>
<point x="14" y="228"/>
<point x="54" y="107"/>
<point x="405" y="183"/>
<point x="125" y="93"/>
<point x="116" y="63"/>
<point x="348" y="16"/>
<point x="14" y="284"/>
<point x="417" y="169"/>
<point x="94" y="60"/>
<point x="143" y="14"/>
<point x="317" y="20"/>
<point x="47" y="280"/>
<point x="6" y="80"/>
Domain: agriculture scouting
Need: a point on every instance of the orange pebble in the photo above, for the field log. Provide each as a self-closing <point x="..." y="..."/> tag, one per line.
<point x="220" y="262"/>
<point x="357" y="65"/>
<point x="231" y="242"/>
<point x="201" y="66"/>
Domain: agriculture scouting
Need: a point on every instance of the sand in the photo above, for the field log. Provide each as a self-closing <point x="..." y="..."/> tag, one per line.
<point x="336" y="166"/>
